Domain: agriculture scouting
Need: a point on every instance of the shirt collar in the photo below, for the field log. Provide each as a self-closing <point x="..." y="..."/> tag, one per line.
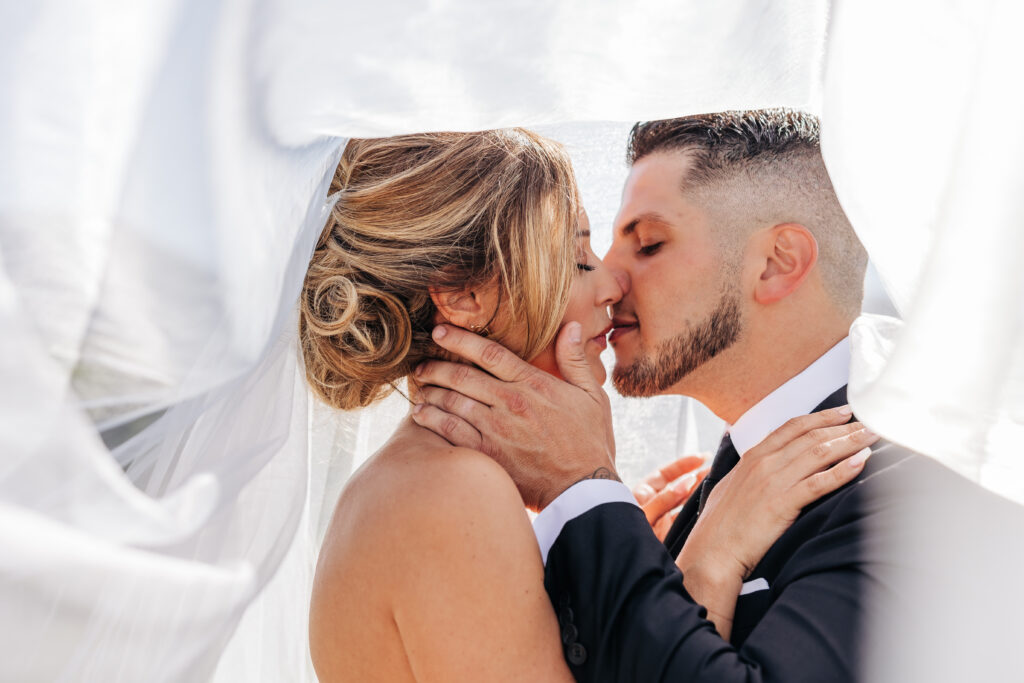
<point x="799" y="396"/>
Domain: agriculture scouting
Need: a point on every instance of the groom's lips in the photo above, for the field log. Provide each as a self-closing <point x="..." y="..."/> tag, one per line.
<point x="621" y="327"/>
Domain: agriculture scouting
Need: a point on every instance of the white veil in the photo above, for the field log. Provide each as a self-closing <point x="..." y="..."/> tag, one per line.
<point x="163" y="180"/>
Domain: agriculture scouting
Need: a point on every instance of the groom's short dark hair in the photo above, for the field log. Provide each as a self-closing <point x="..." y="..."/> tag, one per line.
<point x="721" y="141"/>
<point x="765" y="164"/>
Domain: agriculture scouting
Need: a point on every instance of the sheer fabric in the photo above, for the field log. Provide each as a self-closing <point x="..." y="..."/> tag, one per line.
<point x="153" y="236"/>
<point x="923" y="140"/>
<point x="164" y="179"/>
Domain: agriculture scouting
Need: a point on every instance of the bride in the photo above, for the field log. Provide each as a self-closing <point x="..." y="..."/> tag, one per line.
<point x="430" y="570"/>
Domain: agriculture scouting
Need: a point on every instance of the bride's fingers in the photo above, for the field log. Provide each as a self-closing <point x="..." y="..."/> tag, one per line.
<point x="664" y="525"/>
<point x="453" y="428"/>
<point x="822" y="483"/>
<point x="670" y="472"/>
<point x="643" y="492"/>
<point x="652" y="483"/>
<point x="798" y="427"/>
<point x="684" y="465"/>
<point x="701" y="473"/>
<point x="455" y="403"/>
<point x="825" y="447"/>
<point x="655" y="482"/>
<point x="670" y="497"/>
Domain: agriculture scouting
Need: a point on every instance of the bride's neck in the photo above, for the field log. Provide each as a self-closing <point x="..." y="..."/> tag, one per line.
<point x="408" y="434"/>
<point x="414" y="392"/>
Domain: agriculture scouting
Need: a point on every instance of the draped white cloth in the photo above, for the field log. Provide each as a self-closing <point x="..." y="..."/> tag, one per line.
<point x="163" y="175"/>
<point x="923" y="137"/>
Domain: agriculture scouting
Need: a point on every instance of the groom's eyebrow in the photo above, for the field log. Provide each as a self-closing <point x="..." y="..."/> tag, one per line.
<point x="650" y="217"/>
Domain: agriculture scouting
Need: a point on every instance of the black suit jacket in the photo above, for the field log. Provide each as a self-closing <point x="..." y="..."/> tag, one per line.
<point x="626" y="616"/>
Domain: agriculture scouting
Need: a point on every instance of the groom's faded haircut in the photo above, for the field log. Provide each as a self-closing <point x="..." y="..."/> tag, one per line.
<point x="747" y="168"/>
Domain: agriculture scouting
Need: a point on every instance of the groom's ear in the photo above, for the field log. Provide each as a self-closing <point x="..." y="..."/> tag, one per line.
<point x="467" y="306"/>
<point x="788" y="253"/>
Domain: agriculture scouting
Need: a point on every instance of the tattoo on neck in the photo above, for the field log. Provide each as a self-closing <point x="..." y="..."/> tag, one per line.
<point x="601" y="473"/>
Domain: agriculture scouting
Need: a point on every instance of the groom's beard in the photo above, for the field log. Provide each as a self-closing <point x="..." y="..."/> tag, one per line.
<point x="675" y="358"/>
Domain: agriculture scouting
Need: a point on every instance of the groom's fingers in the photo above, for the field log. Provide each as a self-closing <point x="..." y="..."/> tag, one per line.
<point x="460" y="377"/>
<point x="571" y="360"/>
<point x="489" y="355"/>
<point x="455" y="403"/>
<point x="453" y="428"/>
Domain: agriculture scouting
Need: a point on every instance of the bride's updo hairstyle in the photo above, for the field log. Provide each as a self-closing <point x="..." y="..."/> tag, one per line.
<point x="442" y="210"/>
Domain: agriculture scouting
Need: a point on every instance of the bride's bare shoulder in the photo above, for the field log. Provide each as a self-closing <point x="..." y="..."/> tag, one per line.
<point x="422" y="530"/>
<point x="410" y="486"/>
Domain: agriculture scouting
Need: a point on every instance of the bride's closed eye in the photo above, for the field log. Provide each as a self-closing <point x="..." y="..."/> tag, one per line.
<point x="586" y="267"/>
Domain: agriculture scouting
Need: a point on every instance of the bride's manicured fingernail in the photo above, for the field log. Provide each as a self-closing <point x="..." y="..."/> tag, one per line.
<point x="416" y="409"/>
<point x="860" y="457"/>
<point x="684" y="483"/>
<point x="867" y="434"/>
<point x="644" y="490"/>
<point x="439" y="332"/>
<point x="844" y="410"/>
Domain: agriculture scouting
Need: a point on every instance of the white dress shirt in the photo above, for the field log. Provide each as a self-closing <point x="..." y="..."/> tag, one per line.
<point x="798" y="396"/>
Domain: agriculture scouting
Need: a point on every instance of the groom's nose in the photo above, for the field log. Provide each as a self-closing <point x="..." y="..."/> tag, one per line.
<point x="614" y="263"/>
<point x="622" y="277"/>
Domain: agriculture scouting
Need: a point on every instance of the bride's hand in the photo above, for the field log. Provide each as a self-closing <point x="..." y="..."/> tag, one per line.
<point x="660" y="494"/>
<point x="750" y="508"/>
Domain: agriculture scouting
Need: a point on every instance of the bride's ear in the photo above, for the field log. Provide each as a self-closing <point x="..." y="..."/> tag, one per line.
<point x="468" y="307"/>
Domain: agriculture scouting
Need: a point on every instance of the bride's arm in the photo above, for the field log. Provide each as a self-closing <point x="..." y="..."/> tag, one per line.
<point x="469" y="599"/>
<point x="757" y="502"/>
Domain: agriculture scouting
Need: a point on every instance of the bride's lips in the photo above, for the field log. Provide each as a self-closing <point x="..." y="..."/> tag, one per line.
<point x="602" y="338"/>
<point x="621" y="327"/>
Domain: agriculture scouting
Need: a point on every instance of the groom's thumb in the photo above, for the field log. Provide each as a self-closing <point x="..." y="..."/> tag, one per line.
<point x="572" y="363"/>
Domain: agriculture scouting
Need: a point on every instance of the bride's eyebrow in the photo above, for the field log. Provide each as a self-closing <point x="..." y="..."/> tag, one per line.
<point x="583" y="233"/>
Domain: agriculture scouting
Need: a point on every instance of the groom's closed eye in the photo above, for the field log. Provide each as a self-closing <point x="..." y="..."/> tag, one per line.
<point x="650" y="218"/>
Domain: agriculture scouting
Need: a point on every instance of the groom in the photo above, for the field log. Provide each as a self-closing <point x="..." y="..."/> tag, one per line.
<point x="741" y="277"/>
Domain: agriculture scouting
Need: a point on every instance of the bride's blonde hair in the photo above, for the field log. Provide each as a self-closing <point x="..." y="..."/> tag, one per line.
<point x="443" y="210"/>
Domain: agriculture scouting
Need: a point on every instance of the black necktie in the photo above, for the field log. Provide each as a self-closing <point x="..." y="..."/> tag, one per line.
<point x="724" y="461"/>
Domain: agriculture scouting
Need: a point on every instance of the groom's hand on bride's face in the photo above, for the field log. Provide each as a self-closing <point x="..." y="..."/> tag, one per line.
<point x="547" y="433"/>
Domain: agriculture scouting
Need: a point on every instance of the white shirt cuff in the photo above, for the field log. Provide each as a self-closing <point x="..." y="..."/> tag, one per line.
<point x="573" y="502"/>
